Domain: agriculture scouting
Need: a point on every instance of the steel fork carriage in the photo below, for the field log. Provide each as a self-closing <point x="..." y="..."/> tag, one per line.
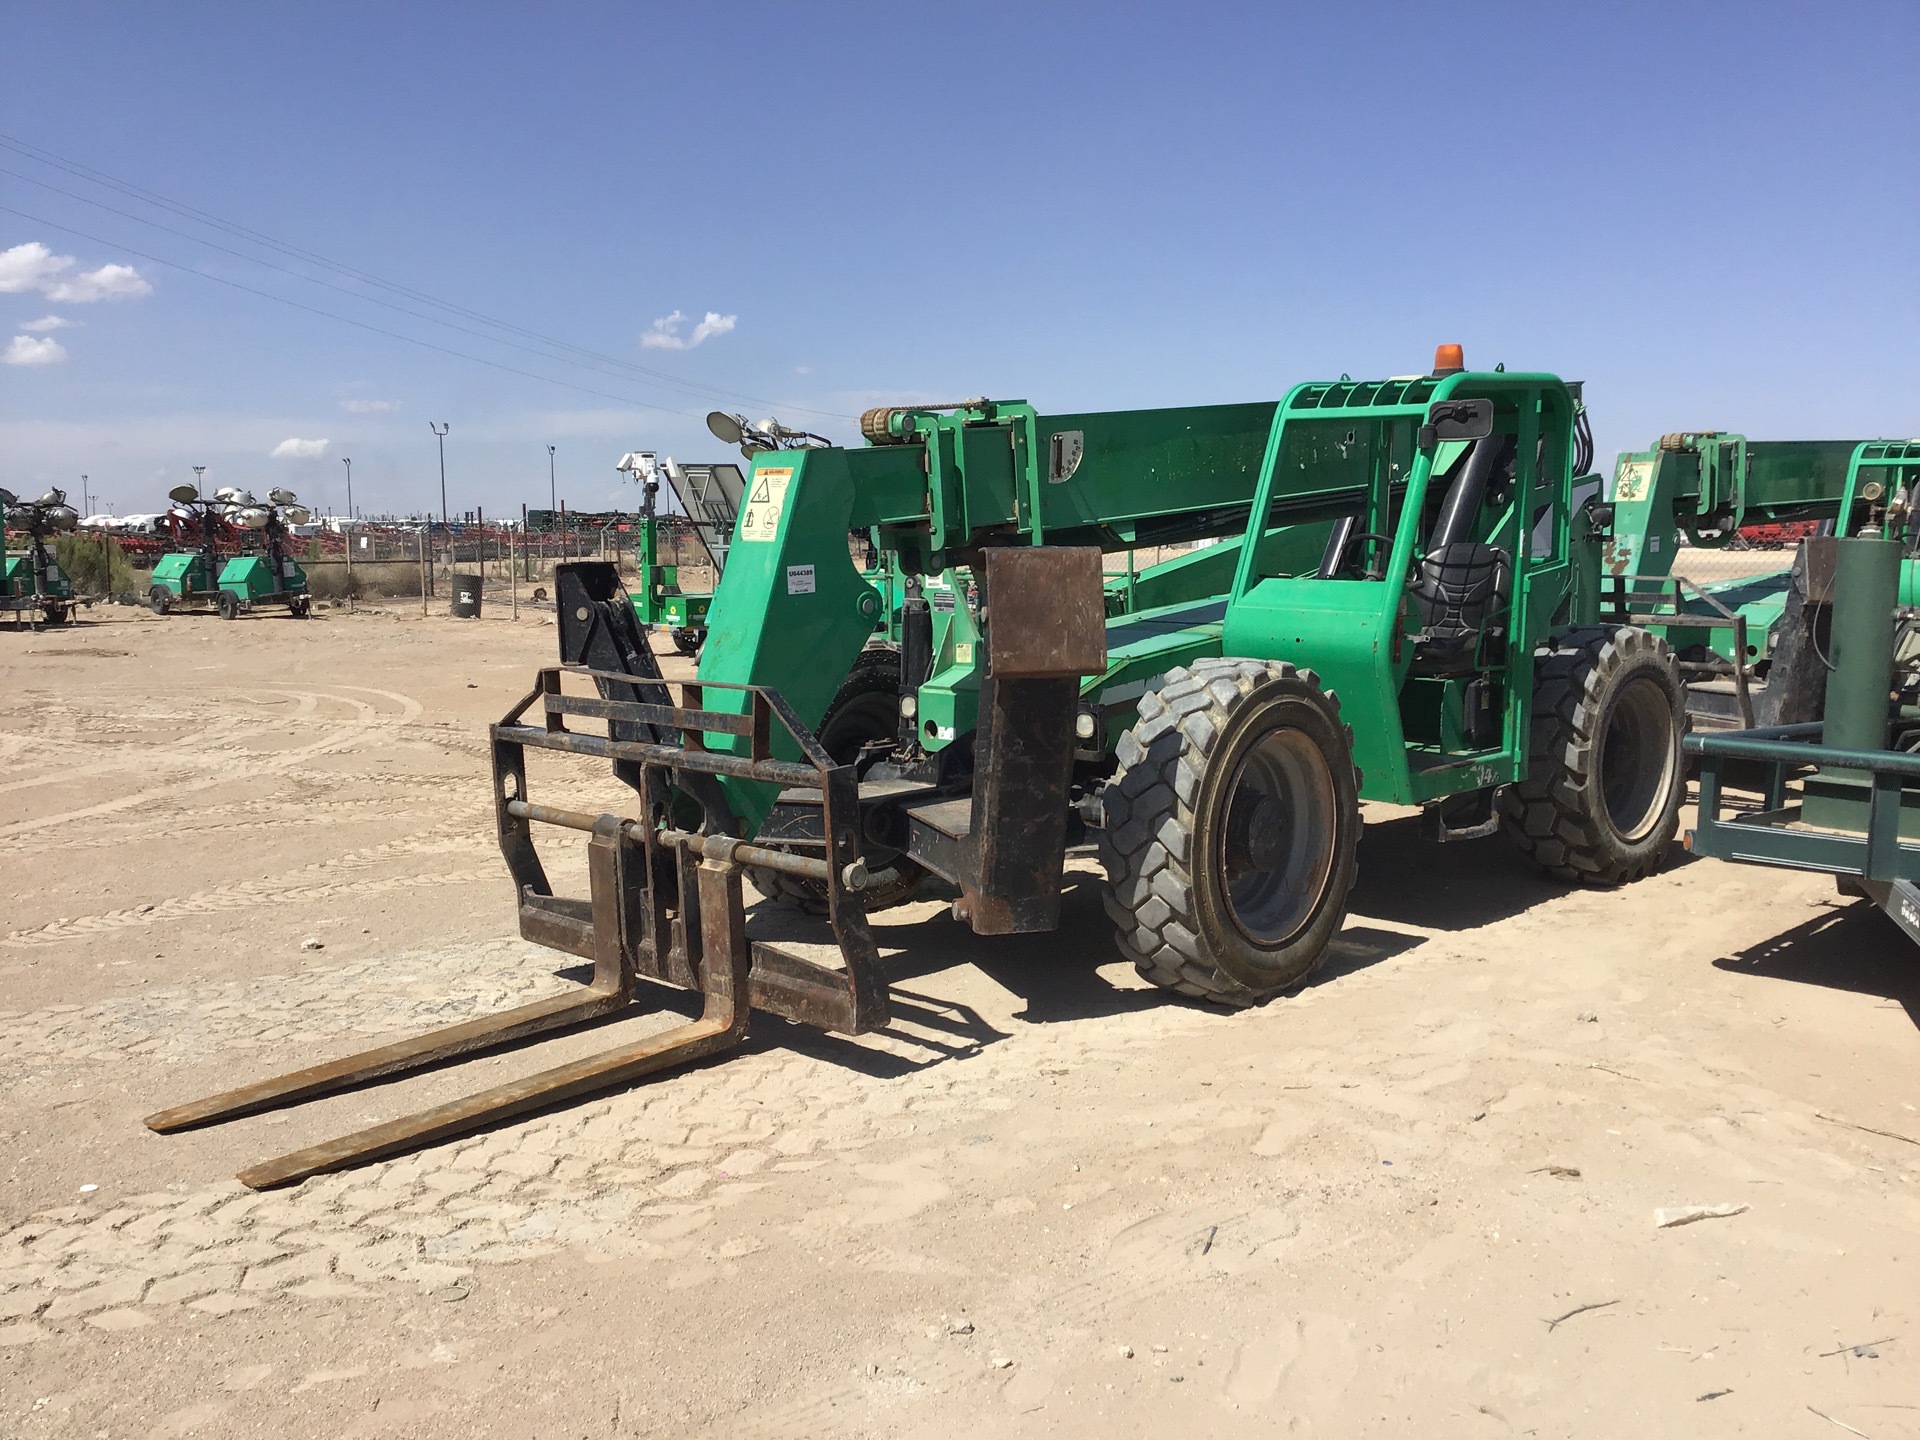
<point x="641" y="870"/>
<point x="664" y="903"/>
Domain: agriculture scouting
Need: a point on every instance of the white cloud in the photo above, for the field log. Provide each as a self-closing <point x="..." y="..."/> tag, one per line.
<point x="50" y="322"/>
<point x="369" y="407"/>
<point x="30" y="267"/>
<point x="664" y="333"/>
<point x="300" y="449"/>
<point x="33" y="266"/>
<point x="109" y="282"/>
<point x="25" y="350"/>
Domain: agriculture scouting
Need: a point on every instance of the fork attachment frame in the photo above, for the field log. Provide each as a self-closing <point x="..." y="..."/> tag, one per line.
<point x="664" y="904"/>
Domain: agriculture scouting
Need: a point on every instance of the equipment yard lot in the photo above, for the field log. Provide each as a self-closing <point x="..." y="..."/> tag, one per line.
<point x="1050" y="1199"/>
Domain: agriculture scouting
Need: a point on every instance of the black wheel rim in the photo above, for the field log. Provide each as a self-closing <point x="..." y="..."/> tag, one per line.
<point x="1278" y="836"/>
<point x="1636" y="759"/>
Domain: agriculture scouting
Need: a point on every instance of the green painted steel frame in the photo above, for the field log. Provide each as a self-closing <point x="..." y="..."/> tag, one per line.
<point x="1765" y="837"/>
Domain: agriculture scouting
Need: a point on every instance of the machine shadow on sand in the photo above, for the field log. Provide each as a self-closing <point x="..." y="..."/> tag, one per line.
<point x="1850" y="947"/>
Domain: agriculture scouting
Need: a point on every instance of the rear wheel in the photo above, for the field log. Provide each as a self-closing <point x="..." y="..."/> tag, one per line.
<point x="1231" y="830"/>
<point x="159" y="600"/>
<point x="866" y="708"/>
<point x="1601" y="800"/>
<point x="228" y="606"/>
<point x="688" y="641"/>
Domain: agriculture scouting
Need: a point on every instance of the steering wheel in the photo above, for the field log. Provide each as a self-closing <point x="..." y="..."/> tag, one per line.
<point x="1360" y="535"/>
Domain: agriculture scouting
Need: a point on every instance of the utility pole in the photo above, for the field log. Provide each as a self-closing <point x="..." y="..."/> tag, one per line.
<point x="198" y="471"/>
<point x="552" y="503"/>
<point x="350" y="597"/>
<point x="440" y="432"/>
<point x="86" y="505"/>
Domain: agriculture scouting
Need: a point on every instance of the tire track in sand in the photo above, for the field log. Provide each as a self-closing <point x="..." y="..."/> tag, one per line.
<point x="266" y="764"/>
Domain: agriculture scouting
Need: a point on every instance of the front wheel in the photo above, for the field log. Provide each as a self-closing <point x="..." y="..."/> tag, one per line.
<point x="159" y="599"/>
<point x="1601" y="800"/>
<point x="228" y="606"/>
<point x="866" y="709"/>
<point x="1232" y="827"/>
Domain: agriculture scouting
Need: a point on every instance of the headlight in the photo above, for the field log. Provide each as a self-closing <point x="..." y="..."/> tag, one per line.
<point x="909" y="705"/>
<point x="1084" y="725"/>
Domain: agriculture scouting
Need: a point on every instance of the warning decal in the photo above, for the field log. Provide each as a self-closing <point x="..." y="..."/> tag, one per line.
<point x="1633" y="481"/>
<point x="766" y="498"/>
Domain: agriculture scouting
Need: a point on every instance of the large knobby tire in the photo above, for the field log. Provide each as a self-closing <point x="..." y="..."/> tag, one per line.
<point x="865" y="708"/>
<point x="1231" y="830"/>
<point x="1601" y="800"/>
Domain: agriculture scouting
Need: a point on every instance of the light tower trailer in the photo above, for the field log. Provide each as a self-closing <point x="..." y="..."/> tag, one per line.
<point x="33" y="581"/>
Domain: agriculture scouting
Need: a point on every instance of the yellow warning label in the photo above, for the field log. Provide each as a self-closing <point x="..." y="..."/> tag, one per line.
<point x="1634" y="480"/>
<point x="766" y="498"/>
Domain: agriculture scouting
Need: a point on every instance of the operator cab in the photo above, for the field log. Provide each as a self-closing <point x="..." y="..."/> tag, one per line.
<point x="1462" y="584"/>
<point x="1461" y="581"/>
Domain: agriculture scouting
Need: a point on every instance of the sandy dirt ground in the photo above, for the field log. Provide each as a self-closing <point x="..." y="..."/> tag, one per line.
<point x="1047" y="1201"/>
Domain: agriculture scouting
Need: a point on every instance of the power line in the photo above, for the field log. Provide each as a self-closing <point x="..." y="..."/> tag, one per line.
<point x="343" y="319"/>
<point x="688" y="385"/>
<point x="86" y="173"/>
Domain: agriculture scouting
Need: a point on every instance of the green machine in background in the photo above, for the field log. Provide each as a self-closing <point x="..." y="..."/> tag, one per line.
<point x="1750" y="643"/>
<point x="184" y="579"/>
<point x="1842" y="794"/>
<point x="33" y="581"/>
<point x="709" y="497"/>
<point x="187" y="579"/>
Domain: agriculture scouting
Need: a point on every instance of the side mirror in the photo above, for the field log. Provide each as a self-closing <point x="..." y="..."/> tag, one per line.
<point x="1457" y="420"/>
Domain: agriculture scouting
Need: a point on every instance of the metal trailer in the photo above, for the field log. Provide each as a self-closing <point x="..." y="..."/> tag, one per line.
<point x="1842" y="794"/>
<point x="1408" y="609"/>
<point x="33" y="581"/>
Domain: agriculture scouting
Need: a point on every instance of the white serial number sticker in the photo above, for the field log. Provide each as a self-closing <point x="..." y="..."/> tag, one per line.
<point x="766" y="498"/>
<point x="799" y="579"/>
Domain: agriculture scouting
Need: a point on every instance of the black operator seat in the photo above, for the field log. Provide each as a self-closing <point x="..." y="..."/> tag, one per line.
<point x="1461" y="587"/>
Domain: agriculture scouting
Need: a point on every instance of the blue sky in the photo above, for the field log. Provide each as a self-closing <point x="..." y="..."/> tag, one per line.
<point x="1707" y="212"/>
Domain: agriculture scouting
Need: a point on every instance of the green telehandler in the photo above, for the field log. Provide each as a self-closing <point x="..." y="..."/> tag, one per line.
<point x="1406" y="608"/>
<point x="1753" y="647"/>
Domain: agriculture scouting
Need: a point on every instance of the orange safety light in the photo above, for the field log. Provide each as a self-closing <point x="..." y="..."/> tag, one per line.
<point x="1448" y="359"/>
